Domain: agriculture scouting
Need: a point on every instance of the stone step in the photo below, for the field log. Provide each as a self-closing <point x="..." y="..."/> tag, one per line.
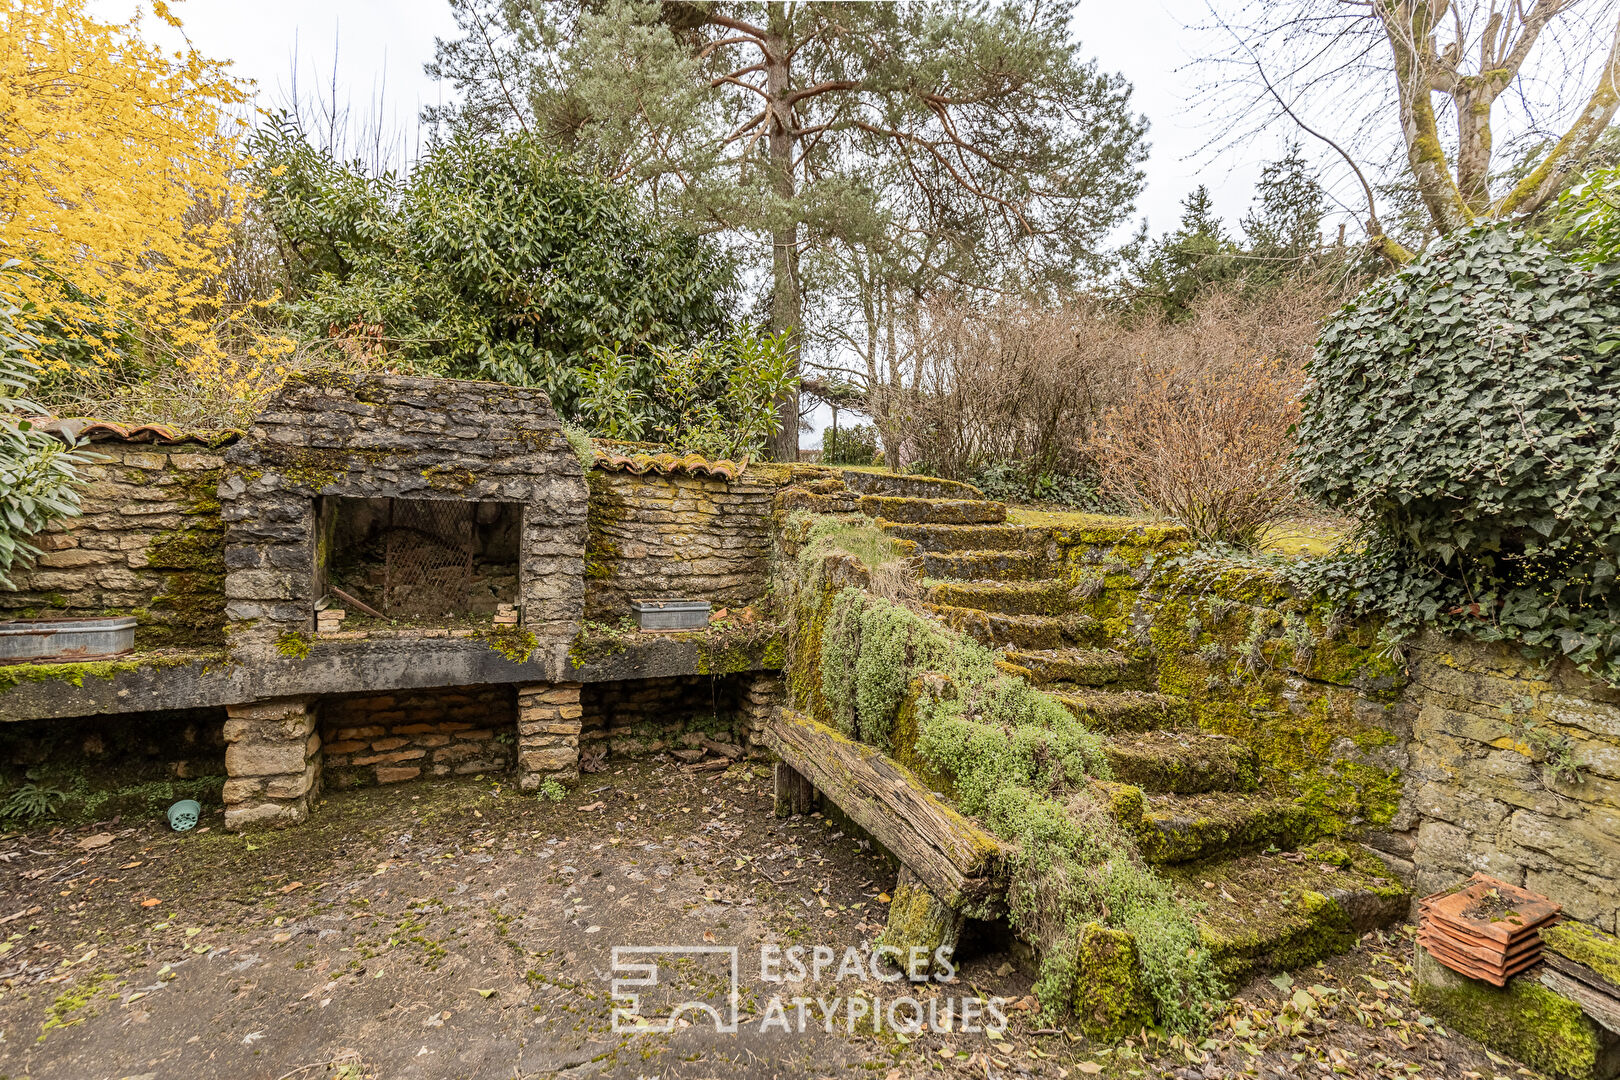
<point x="943" y="538"/>
<point x="991" y="565"/>
<point x="1186" y="828"/>
<point x="1113" y="711"/>
<point x="1078" y="667"/>
<point x="933" y="511"/>
<point x="910" y="487"/>
<point x="1043" y="597"/>
<point x="994" y="630"/>
<point x="1273" y="912"/>
<point x="1182" y="762"/>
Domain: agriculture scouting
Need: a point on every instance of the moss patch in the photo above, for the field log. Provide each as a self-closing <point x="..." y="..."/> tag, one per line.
<point x="1525" y="1020"/>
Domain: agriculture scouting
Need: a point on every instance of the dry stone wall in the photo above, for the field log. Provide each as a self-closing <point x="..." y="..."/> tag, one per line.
<point x="386" y="738"/>
<point x="389" y="436"/>
<point x="676" y="535"/>
<point x="149" y="543"/>
<point x="1515" y="771"/>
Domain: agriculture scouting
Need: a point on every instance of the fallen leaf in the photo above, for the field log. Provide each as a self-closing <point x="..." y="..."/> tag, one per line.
<point x="485" y="993"/>
<point x="290" y="887"/>
<point x="592" y="929"/>
<point x="883" y="897"/>
<point x="593" y="806"/>
<point x="708" y="935"/>
<point x="99" y="840"/>
<point x="151" y="901"/>
<point x="130" y="865"/>
<point x="1090" y="1068"/>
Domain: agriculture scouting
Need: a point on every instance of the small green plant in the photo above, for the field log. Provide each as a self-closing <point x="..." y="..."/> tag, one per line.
<point x="30" y="803"/>
<point x="553" y="791"/>
<point x="294" y="645"/>
<point x="512" y="642"/>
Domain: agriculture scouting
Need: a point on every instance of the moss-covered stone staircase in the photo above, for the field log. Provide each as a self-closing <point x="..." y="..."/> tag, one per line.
<point x="1270" y="893"/>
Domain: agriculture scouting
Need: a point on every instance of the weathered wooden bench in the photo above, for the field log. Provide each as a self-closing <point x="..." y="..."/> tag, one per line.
<point x="951" y="869"/>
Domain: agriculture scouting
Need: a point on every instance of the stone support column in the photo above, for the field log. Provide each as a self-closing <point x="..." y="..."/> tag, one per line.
<point x="549" y="717"/>
<point x="273" y="763"/>
<point x="760" y="699"/>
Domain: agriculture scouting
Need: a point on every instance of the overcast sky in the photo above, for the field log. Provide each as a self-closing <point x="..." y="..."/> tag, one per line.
<point x="381" y="45"/>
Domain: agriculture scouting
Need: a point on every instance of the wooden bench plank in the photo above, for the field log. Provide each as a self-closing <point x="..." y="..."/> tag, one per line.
<point x="961" y="863"/>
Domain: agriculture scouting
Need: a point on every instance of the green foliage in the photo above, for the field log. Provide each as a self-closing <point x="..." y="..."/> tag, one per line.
<point x="29" y="803"/>
<point x="494" y="259"/>
<point x="1015" y="481"/>
<point x="552" y="790"/>
<point x="717" y="397"/>
<point x="856" y="445"/>
<point x="1587" y="217"/>
<point x="37" y="471"/>
<point x="1466" y="411"/>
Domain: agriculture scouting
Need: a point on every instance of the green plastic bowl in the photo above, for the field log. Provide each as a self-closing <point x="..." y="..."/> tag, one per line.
<point x="183" y="815"/>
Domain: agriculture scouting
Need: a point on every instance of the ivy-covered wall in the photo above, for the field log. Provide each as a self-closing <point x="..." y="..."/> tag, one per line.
<point x="149" y="543"/>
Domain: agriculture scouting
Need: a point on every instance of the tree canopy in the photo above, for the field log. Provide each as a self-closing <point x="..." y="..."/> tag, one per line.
<point x="966" y="141"/>
<point x="494" y="259"/>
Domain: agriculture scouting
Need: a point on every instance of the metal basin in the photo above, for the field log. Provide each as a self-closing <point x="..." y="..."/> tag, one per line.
<point x="671" y="614"/>
<point x="66" y="639"/>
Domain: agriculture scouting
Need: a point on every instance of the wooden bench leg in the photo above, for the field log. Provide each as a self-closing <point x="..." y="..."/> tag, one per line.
<point x="794" y="794"/>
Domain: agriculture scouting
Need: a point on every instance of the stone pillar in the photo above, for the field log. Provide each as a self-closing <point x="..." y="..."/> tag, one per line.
<point x="760" y="699"/>
<point x="549" y="717"/>
<point x="273" y="760"/>
<point x="920" y="920"/>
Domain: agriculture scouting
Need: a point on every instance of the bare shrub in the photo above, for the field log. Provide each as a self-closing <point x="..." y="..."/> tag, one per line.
<point x="1010" y="380"/>
<point x="1201" y="430"/>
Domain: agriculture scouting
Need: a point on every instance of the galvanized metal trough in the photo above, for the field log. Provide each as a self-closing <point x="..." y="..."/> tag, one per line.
<point x="65" y="639"/>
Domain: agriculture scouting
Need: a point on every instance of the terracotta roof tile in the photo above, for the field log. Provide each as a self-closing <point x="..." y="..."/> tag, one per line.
<point x="666" y="463"/>
<point x="94" y="430"/>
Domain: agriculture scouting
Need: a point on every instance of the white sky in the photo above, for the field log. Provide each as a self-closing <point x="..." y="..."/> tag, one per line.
<point x="381" y="45"/>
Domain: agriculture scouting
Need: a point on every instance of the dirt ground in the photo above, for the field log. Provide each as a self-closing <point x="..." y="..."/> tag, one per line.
<point x="462" y="929"/>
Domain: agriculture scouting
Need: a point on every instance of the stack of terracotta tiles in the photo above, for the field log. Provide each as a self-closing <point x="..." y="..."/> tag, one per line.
<point x="1487" y="929"/>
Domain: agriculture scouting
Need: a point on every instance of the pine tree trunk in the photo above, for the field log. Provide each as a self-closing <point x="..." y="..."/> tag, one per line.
<point x="786" y="304"/>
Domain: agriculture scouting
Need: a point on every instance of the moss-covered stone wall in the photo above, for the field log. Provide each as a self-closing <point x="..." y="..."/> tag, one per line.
<point x="678" y="535"/>
<point x="1449" y="755"/>
<point x="149" y="543"/>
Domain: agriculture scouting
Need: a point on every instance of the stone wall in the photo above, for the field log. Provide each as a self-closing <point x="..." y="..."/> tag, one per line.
<point x="676" y="535"/>
<point x="651" y="716"/>
<point x="1515" y="771"/>
<point x="149" y="543"/>
<point x="1470" y="757"/>
<point x="386" y="738"/>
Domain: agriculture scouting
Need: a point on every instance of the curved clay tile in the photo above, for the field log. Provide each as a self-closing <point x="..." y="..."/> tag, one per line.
<point x="667" y="463"/>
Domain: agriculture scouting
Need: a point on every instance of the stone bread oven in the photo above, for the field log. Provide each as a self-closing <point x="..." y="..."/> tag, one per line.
<point x="339" y="469"/>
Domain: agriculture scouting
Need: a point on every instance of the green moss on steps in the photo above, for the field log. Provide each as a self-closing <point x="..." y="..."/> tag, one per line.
<point x="14" y="675"/>
<point x="1110" y="1002"/>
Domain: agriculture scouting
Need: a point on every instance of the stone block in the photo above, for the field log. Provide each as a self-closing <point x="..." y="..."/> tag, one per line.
<point x="394" y="774"/>
<point x="265" y="815"/>
<point x="264" y="758"/>
<point x="347" y="746"/>
<point x="549" y="759"/>
<point x="391" y="743"/>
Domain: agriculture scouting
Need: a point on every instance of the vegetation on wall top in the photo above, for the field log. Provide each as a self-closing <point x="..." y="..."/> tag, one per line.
<point x="1466" y="411"/>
